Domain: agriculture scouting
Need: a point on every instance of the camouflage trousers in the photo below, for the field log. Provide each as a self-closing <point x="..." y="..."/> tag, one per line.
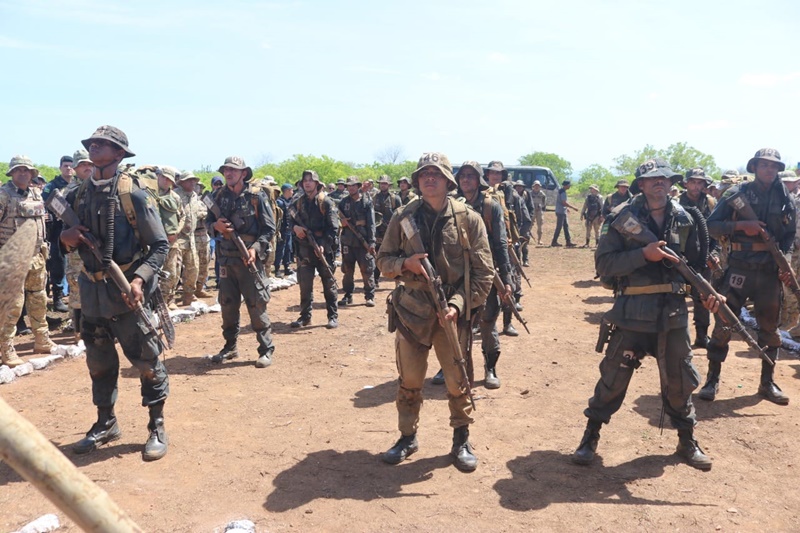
<point x="34" y="298"/>
<point x="352" y="255"/>
<point x="74" y="267"/>
<point x="592" y="226"/>
<point x="169" y="280"/>
<point x="790" y="312"/>
<point x="201" y="242"/>
<point x="188" y="260"/>
<point x="538" y="219"/>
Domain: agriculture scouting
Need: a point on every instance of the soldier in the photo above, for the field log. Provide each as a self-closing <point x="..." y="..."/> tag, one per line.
<point x="693" y="197"/>
<point x="202" y="244"/>
<point x="621" y="195"/>
<point x="216" y="184"/>
<point x="562" y="221"/>
<point x="368" y="189"/>
<point x="172" y="215"/>
<point x="187" y="248"/>
<point x="357" y="208"/>
<point x="316" y="212"/>
<point x="284" y="251"/>
<point x="245" y="211"/>
<point x="340" y="192"/>
<point x="84" y="169"/>
<point x="539" y="201"/>
<point x="455" y="243"/>
<point x="591" y="214"/>
<point x="406" y="192"/>
<point x="139" y="246"/>
<point x="385" y="203"/>
<point x="56" y="262"/>
<point x="526" y="224"/>
<point x="752" y="271"/>
<point x="790" y="314"/>
<point x="649" y="315"/>
<point x="20" y="203"/>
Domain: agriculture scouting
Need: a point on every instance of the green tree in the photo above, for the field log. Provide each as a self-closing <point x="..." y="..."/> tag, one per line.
<point x="595" y="175"/>
<point x="560" y="166"/>
<point x="680" y="156"/>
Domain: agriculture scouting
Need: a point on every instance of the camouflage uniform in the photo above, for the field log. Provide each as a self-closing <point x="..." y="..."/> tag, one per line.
<point x="539" y="201"/>
<point x="170" y="209"/>
<point x="407" y="195"/>
<point x="185" y="242"/>
<point x="616" y="198"/>
<point x="790" y="314"/>
<point x="338" y="194"/>
<point x="526" y="224"/>
<point x="385" y="204"/>
<point x="202" y="243"/>
<point x="590" y="214"/>
<point x="359" y="213"/>
<point x="74" y="261"/>
<point x="18" y="206"/>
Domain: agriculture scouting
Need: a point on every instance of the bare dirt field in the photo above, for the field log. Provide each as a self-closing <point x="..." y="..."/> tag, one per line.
<point x="295" y="447"/>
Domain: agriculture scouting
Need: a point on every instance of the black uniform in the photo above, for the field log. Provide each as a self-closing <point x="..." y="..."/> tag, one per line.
<point x="360" y="214"/>
<point x="385" y="203"/>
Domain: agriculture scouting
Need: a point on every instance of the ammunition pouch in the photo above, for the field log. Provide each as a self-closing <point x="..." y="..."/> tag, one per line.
<point x="392" y="317"/>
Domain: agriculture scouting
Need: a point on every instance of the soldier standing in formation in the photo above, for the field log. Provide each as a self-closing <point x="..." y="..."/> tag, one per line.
<point x="790" y="313"/>
<point x="245" y="212"/>
<point x="56" y="262"/>
<point x="284" y="252"/>
<point x="526" y="224"/>
<point x="752" y="271"/>
<point x="621" y="195"/>
<point x="591" y="214"/>
<point x="185" y="242"/>
<point x="385" y="204"/>
<point x="84" y="169"/>
<point x="202" y="243"/>
<point x="20" y="203"/>
<point x="406" y="192"/>
<point x="104" y="204"/>
<point x="357" y="209"/>
<point x="539" y="201"/>
<point x="172" y="216"/>
<point x="340" y="192"/>
<point x="455" y="242"/>
<point x="317" y="213"/>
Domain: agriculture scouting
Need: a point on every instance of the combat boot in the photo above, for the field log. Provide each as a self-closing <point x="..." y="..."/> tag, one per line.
<point x="229" y="351"/>
<point x="491" y="381"/>
<point x="710" y="389"/>
<point x="585" y="453"/>
<point x="278" y="273"/>
<point x="9" y="355"/>
<point x="510" y="330"/>
<point x="300" y="322"/>
<point x="58" y="301"/>
<point x="347" y="300"/>
<point x="43" y="344"/>
<point x="701" y="337"/>
<point x="156" y="446"/>
<point x="463" y="457"/>
<point x="768" y="389"/>
<point x="690" y="450"/>
<point x="402" y="449"/>
<point x="200" y="292"/>
<point x="103" y="431"/>
<point x="438" y="379"/>
<point x="187" y="299"/>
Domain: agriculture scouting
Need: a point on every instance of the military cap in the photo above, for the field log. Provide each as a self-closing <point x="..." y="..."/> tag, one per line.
<point x="385" y="179"/>
<point x="65" y="159"/>
<point x="622" y="183"/>
<point x="112" y="134"/>
<point x="595" y="187"/>
<point x="20" y="161"/>
<point x="696" y="173"/>
<point x="217" y="179"/>
<point x="654" y="168"/>
<point x="237" y="163"/>
<point x="438" y="160"/>
<point x="498" y="166"/>
<point x="768" y="154"/>
<point x="186" y="175"/>
<point x="80" y="156"/>
<point x="404" y="178"/>
<point x="482" y="184"/>
<point x="168" y="172"/>
<point x="566" y="182"/>
<point x="286" y="187"/>
<point x="353" y="180"/>
<point x="314" y="177"/>
<point x="788" y="175"/>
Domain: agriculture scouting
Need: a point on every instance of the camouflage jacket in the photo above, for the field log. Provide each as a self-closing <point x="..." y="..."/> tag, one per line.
<point x="171" y="210"/>
<point x="251" y="217"/>
<point x="318" y="214"/>
<point x="385" y="203"/>
<point x="489" y="208"/>
<point x="407" y="196"/>
<point x="18" y="206"/>
<point x="359" y="213"/>
<point x="190" y="205"/>
<point x="539" y="201"/>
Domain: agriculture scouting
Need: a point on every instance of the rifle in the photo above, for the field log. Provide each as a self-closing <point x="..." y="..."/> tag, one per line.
<point x="258" y="275"/>
<point x="745" y="210"/>
<point x="629" y="226"/>
<point x="353" y="228"/>
<point x="501" y="290"/>
<point x="440" y="301"/>
<point x="319" y="251"/>
<point x="516" y="264"/>
<point x="59" y="206"/>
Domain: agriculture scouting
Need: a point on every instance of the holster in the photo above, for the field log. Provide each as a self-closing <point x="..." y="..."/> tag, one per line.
<point x="392" y="317"/>
<point x="606" y="329"/>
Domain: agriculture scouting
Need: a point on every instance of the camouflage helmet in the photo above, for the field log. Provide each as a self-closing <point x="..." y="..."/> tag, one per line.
<point x="768" y="154"/>
<point x="622" y="183"/>
<point x="654" y="168"/>
<point x="168" y="172"/>
<point x="185" y="176"/>
<point x="79" y="157"/>
<point x="353" y="180"/>
<point x="438" y="160"/>
<point x="112" y="134"/>
<point x="696" y="173"/>
<point x="314" y="177"/>
<point x="482" y="184"/>
<point x="237" y="163"/>
<point x="498" y="166"/>
<point x="21" y="161"/>
<point x="385" y="179"/>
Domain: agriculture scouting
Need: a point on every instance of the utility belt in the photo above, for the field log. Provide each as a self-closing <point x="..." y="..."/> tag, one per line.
<point x="95" y="277"/>
<point x="662" y="288"/>
<point x="749" y="247"/>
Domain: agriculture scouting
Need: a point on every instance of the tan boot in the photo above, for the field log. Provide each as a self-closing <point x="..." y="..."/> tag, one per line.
<point x="9" y="356"/>
<point x="43" y="345"/>
<point x="200" y="292"/>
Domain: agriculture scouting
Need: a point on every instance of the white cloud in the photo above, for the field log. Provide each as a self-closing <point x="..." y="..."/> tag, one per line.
<point x="498" y="57"/>
<point x="711" y="125"/>
<point x="767" y="79"/>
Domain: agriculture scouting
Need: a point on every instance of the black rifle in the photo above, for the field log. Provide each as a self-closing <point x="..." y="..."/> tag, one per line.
<point x="353" y="228"/>
<point x="509" y="301"/>
<point x="59" y="206"/>
<point x="319" y="251"/>
<point x="629" y="226"/>
<point x="259" y="278"/>
<point x="440" y="300"/>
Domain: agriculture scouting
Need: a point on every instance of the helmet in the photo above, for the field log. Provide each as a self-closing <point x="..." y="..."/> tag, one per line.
<point x="112" y="134"/>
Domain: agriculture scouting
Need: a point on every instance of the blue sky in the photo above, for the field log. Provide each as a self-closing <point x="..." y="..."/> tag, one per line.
<point x="193" y="82"/>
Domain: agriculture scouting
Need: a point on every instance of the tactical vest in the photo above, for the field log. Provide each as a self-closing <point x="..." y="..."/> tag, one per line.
<point x="17" y="210"/>
<point x="593" y="206"/>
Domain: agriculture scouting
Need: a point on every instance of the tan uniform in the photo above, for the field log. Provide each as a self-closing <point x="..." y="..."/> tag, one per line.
<point x="413" y="307"/>
<point x="73" y="270"/>
<point x="172" y="217"/>
<point x="202" y="243"/>
<point x="16" y="208"/>
<point x="790" y="314"/>
<point x="186" y="243"/>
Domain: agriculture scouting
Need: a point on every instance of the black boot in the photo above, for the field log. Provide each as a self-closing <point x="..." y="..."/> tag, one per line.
<point x="710" y="389"/>
<point x="690" y="450"/>
<point x="103" y="431"/>
<point x="58" y="300"/>
<point x="405" y="446"/>
<point x="156" y="446"/>
<point x="584" y="455"/>
<point x="438" y="379"/>
<point x="463" y="458"/>
<point x="229" y="351"/>
<point x="701" y="337"/>
<point x="768" y="389"/>
<point x="491" y="381"/>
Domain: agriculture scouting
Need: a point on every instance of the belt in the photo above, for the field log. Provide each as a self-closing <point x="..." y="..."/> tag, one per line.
<point x="750" y="247"/>
<point x="663" y="288"/>
<point x="419" y="285"/>
<point x="94" y="277"/>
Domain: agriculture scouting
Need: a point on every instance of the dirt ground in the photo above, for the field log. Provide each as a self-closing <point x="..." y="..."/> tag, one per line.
<point x="295" y="447"/>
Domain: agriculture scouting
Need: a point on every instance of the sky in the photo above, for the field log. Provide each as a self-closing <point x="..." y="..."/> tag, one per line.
<point x="191" y="82"/>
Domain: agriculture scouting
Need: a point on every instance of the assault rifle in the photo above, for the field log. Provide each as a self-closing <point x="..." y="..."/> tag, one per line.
<point x="629" y="226"/>
<point x="354" y="229"/>
<point x="440" y="300"/>
<point x="501" y="291"/>
<point x="59" y="206"/>
<point x="259" y="277"/>
<point x="745" y="211"/>
<point x="512" y="254"/>
<point x="319" y="251"/>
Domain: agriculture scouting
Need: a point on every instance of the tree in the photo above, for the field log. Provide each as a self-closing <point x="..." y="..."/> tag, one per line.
<point x="390" y="155"/>
<point x="560" y="166"/>
<point x="680" y="156"/>
<point x="596" y="175"/>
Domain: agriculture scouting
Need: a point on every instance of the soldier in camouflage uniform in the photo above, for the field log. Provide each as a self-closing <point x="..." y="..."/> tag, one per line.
<point x="284" y="252"/>
<point x="246" y="211"/>
<point x="621" y="195"/>
<point x="790" y="314"/>
<point x="729" y="179"/>
<point x="361" y="218"/>
<point x="340" y="192"/>
<point x="19" y="204"/>
<point x="56" y="263"/>
<point x="539" y="201"/>
<point x="591" y="214"/>
<point x="406" y="192"/>
<point x="526" y="224"/>
<point x="172" y="215"/>
<point x="185" y="242"/>
<point x="649" y="315"/>
<point x="752" y="271"/>
<point x="465" y="269"/>
<point x="368" y="189"/>
<point x="84" y="169"/>
<point x="385" y="203"/>
<point x="107" y="314"/>
<point x="202" y="243"/>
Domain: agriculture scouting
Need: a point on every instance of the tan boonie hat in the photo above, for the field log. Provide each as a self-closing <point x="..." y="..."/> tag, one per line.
<point x="186" y="175"/>
<point x="237" y="163"/>
<point x="768" y="154"/>
<point x="168" y="172"/>
<point x="788" y="175"/>
<point x="112" y="134"/>
<point x="79" y="157"/>
<point x="404" y="179"/>
<point x="536" y="182"/>
<point x="21" y="161"/>
<point x="595" y="187"/>
<point x="519" y="183"/>
<point x="438" y="160"/>
<point x="385" y="179"/>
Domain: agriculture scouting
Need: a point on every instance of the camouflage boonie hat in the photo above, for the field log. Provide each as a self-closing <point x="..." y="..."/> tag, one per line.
<point x="79" y="157"/>
<point x="622" y="183"/>
<point x="654" y="168"/>
<point x="730" y="175"/>
<point x="112" y="134"/>
<point x="482" y="183"/>
<point x="438" y="160"/>
<point x="21" y="161"/>
<point x="385" y="179"/>
<point x="498" y="166"/>
<point x="404" y="179"/>
<point x="314" y="177"/>
<point x="768" y="154"/>
<point x="353" y="180"/>
<point x="168" y="172"/>
<point x="341" y="181"/>
<point x="186" y="175"/>
<point x="519" y="183"/>
<point x="788" y="175"/>
<point x="595" y="187"/>
<point x="237" y="163"/>
<point x="697" y="173"/>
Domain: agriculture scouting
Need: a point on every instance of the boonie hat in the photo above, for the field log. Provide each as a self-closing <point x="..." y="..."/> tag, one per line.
<point x="112" y="134"/>
<point x="438" y="160"/>
<point x="768" y="154"/>
<point x="237" y="163"/>
<point x="20" y="161"/>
